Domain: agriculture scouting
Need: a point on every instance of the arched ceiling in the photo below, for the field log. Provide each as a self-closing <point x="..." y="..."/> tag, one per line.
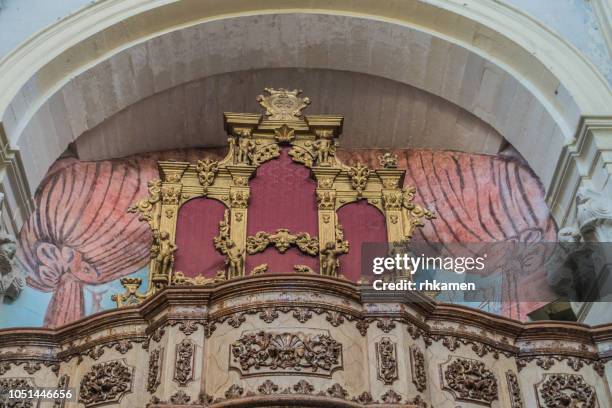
<point x="378" y="112"/>
<point x="293" y="40"/>
<point x="84" y="74"/>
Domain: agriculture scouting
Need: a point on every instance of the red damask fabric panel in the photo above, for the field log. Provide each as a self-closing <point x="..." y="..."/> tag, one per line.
<point x="362" y="223"/>
<point x="282" y="196"/>
<point x="197" y="224"/>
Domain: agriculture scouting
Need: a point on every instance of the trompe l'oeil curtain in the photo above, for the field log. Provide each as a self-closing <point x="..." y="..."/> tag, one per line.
<point x="81" y="234"/>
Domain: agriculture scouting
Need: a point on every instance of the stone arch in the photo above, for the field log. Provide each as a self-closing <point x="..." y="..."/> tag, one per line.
<point x="515" y="74"/>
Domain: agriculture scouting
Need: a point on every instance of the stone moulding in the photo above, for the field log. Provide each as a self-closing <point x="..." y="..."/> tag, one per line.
<point x="197" y="313"/>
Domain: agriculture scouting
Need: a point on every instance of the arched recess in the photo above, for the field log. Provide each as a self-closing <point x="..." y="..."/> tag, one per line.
<point x="282" y="196"/>
<point x="486" y="57"/>
<point x="197" y="224"/>
<point x="362" y="223"/>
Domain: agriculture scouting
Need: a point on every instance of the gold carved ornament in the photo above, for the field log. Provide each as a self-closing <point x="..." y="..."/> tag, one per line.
<point x="253" y="140"/>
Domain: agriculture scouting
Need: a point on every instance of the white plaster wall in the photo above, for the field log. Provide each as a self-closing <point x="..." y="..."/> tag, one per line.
<point x="574" y="20"/>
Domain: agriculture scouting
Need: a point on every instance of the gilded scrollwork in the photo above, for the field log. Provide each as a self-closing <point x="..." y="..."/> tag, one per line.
<point x="302" y="155"/>
<point x="386" y="361"/>
<point x="259" y="352"/>
<point x="239" y="198"/>
<point x="207" y="170"/>
<point x="284" y="134"/>
<point x="359" y="175"/>
<point x="106" y="383"/>
<point x="282" y="240"/>
<point x="264" y="153"/>
<point x="145" y="206"/>
<point x="326" y="200"/>
<point x="388" y="160"/>
<point x="131" y="296"/>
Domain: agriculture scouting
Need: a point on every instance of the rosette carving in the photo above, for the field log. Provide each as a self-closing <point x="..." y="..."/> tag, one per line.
<point x="469" y="380"/>
<point x="565" y="390"/>
<point x="106" y="383"/>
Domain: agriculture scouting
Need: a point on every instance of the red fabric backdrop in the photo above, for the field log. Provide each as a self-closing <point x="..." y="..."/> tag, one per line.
<point x="80" y="233"/>
<point x="282" y="196"/>
<point x="197" y="224"/>
<point x="362" y="223"/>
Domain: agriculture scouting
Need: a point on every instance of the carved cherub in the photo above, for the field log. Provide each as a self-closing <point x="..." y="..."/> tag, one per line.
<point x="235" y="259"/>
<point x="324" y="147"/>
<point x="165" y="255"/>
<point x="329" y="257"/>
<point x="246" y="147"/>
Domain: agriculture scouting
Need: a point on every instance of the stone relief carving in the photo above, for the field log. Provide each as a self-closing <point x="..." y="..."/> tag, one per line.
<point x="15" y="383"/>
<point x="184" y="362"/>
<point x="516" y="400"/>
<point x="594" y="214"/>
<point x="62" y="384"/>
<point x="12" y="279"/>
<point x="417" y="367"/>
<point x="469" y="380"/>
<point x="256" y="353"/>
<point x="154" y="375"/>
<point x="386" y="361"/>
<point x="565" y="390"/>
<point x="106" y="383"/>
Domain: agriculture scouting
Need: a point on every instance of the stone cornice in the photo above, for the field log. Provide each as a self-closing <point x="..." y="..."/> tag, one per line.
<point x="161" y="309"/>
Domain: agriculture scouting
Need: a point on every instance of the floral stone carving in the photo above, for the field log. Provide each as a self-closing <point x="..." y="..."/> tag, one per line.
<point x="565" y="390"/>
<point x="256" y="353"/>
<point x="419" y="376"/>
<point x="183" y="368"/>
<point x="386" y="361"/>
<point x="469" y="380"/>
<point x="516" y="400"/>
<point x="153" y="379"/>
<point x="106" y="383"/>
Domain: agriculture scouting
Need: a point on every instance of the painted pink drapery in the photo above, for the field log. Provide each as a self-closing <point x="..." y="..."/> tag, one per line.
<point x="80" y="233"/>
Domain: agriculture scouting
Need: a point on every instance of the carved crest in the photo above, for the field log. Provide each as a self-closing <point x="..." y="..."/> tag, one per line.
<point x="283" y="104"/>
